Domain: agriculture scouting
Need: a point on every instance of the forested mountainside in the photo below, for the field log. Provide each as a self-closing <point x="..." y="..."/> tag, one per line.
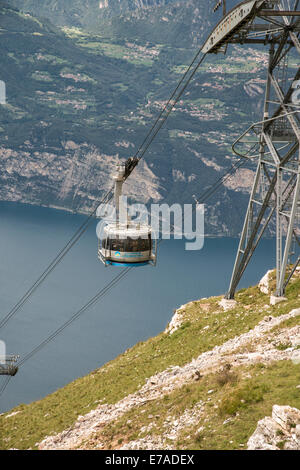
<point x="90" y="13"/>
<point x="79" y="100"/>
<point x="173" y="22"/>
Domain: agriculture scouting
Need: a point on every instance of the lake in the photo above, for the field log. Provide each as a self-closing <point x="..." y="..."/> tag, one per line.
<point x="139" y="307"/>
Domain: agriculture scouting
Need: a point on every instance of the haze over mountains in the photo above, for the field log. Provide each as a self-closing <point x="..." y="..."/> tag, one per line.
<point x="85" y="81"/>
<point x="172" y="20"/>
<point x="86" y="11"/>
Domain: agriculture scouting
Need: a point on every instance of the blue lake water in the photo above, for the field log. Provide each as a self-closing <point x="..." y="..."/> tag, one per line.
<point x="138" y="308"/>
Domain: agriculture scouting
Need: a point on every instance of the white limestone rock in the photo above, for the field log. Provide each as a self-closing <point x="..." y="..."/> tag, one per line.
<point x="263" y="284"/>
<point x="274" y="300"/>
<point x="227" y="304"/>
<point x="282" y="430"/>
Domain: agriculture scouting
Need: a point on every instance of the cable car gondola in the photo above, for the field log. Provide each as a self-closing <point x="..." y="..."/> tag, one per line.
<point x="8" y="365"/>
<point x="125" y="243"/>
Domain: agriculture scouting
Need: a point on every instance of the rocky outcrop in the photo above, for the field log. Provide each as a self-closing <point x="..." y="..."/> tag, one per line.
<point x="279" y="432"/>
<point x="227" y="304"/>
<point x="177" y="319"/>
<point x="172" y="428"/>
<point x="264" y="283"/>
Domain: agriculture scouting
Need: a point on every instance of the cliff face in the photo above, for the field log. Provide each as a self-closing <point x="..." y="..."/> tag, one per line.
<point x="204" y="383"/>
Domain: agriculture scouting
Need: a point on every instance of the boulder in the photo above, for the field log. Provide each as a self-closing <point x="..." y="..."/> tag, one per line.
<point x="227" y="304"/>
<point x="281" y="431"/>
<point x="264" y="283"/>
<point x="274" y="300"/>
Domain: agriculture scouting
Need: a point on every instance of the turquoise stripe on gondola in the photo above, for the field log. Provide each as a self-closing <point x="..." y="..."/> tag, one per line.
<point x="125" y="265"/>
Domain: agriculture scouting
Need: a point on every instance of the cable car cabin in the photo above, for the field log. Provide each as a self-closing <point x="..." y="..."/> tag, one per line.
<point x="127" y="245"/>
<point x="8" y="370"/>
<point x="8" y="365"/>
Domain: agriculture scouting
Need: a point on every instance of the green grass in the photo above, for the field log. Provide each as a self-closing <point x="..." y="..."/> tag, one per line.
<point x="206" y="101"/>
<point x="116" y="51"/>
<point x="176" y="133"/>
<point x="42" y="76"/>
<point x="204" y="326"/>
<point x="228" y="419"/>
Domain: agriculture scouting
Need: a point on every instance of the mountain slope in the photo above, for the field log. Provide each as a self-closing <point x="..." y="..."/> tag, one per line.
<point x="84" y="12"/>
<point x="77" y="102"/>
<point x="201" y="384"/>
<point x="175" y="22"/>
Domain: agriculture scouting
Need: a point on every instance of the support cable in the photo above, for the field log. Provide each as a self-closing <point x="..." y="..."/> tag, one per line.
<point x="133" y="161"/>
<point x="103" y="291"/>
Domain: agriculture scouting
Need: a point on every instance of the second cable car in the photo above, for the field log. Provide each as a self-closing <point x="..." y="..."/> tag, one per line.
<point x="125" y="243"/>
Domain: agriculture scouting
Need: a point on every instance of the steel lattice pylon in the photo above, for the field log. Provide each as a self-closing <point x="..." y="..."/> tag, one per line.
<point x="273" y="142"/>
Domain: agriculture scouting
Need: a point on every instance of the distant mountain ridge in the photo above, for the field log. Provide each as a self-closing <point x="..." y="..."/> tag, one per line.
<point x="83" y="12"/>
<point x="90" y="13"/>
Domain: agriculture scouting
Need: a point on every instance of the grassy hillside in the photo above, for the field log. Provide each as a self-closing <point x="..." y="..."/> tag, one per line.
<point x="228" y="403"/>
